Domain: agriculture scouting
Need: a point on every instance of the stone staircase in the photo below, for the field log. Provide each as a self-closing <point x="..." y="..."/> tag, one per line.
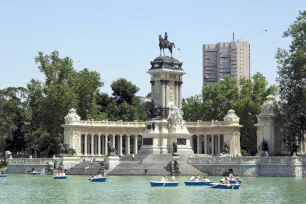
<point x="152" y="164"/>
<point x="79" y="168"/>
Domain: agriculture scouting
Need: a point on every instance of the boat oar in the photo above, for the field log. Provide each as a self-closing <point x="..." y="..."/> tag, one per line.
<point x="214" y="185"/>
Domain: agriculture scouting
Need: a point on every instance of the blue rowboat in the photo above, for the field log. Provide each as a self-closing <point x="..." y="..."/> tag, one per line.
<point x="59" y="177"/>
<point x="234" y="181"/>
<point x="3" y="175"/>
<point x="197" y="183"/>
<point x="224" y="186"/>
<point x="102" y="179"/>
<point x="162" y="184"/>
<point x="35" y="173"/>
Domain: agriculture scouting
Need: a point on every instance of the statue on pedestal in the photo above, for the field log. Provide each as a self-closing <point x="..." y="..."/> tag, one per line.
<point x="111" y="150"/>
<point x="164" y="43"/>
<point x="225" y="148"/>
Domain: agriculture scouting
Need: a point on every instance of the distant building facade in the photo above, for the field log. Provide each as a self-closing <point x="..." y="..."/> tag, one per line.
<point x="226" y="58"/>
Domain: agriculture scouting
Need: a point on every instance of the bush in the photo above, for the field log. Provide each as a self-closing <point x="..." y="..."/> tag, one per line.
<point x="244" y="152"/>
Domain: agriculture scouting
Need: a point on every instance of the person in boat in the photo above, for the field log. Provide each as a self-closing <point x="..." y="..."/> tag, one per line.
<point x="231" y="177"/>
<point x="226" y="182"/>
<point x="173" y="179"/>
<point x="63" y="174"/>
<point x="197" y="178"/>
<point x="222" y="180"/>
<point x="206" y="180"/>
<point x="192" y="177"/>
<point x="163" y="179"/>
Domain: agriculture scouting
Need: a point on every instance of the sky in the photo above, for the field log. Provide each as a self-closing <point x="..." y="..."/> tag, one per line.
<point x="120" y="38"/>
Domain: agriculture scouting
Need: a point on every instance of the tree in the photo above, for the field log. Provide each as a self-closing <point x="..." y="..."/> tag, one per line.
<point x="123" y="111"/>
<point x="192" y="108"/>
<point x="292" y="84"/>
<point x="123" y="91"/>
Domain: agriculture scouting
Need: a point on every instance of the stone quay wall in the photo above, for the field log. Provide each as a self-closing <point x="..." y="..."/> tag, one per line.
<point x="251" y="166"/>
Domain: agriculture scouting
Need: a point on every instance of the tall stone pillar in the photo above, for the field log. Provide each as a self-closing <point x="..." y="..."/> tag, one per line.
<point x="219" y="144"/>
<point x="162" y="82"/>
<point x="105" y="144"/>
<point x="114" y="141"/>
<point x="85" y="144"/>
<point x="135" y="146"/>
<point x="205" y="144"/>
<point x="212" y="145"/>
<point x="177" y="83"/>
<point x="180" y="94"/>
<point x="127" y="145"/>
<point x="92" y="144"/>
<point x="166" y="93"/>
<point x="99" y="144"/>
<point x="152" y="90"/>
<point x="199" y="137"/>
<point x="120" y="145"/>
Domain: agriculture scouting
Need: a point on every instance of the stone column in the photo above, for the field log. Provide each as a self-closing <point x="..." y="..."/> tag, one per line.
<point x="85" y="144"/>
<point x="191" y="143"/>
<point x="219" y="144"/>
<point x="92" y="144"/>
<point x="212" y="145"/>
<point x="166" y="93"/>
<point x="105" y="145"/>
<point x="120" y="145"/>
<point x="163" y="97"/>
<point x="135" y="146"/>
<point x="205" y="144"/>
<point x="99" y="144"/>
<point x="152" y="90"/>
<point x="176" y="93"/>
<point x="114" y="141"/>
<point x="180" y="94"/>
<point x="199" y="150"/>
<point x="127" y="145"/>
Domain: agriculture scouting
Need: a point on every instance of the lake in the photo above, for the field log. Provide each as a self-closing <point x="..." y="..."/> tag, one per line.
<point x="136" y="189"/>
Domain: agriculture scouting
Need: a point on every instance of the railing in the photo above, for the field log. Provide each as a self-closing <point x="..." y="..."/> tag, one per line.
<point x="204" y="159"/>
<point x="110" y="123"/>
<point x="205" y="123"/>
<point x="21" y="161"/>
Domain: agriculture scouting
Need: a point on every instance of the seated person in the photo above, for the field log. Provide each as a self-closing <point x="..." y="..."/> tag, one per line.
<point x="206" y="180"/>
<point x="197" y="178"/>
<point x="222" y="180"/>
<point x="226" y="182"/>
<point x="163" y="179"/>
<point x="173" y="179"/>
<point x="63" y="174"/>
<point x="192" y="177"/>
<point x="231" y="177"/>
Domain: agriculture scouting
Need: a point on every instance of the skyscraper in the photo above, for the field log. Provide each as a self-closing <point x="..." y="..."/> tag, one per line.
<point x="226" y="58"/>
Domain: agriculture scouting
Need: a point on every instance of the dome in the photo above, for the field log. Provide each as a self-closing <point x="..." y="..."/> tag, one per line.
<point x="166" y="62"/>
<point x="270" y="106"/>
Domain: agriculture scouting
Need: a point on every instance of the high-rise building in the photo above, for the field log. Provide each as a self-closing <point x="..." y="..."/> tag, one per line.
<point x="226" y="58"/>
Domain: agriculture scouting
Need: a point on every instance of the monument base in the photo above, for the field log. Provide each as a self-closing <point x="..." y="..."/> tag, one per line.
<point x="111" y="162"/>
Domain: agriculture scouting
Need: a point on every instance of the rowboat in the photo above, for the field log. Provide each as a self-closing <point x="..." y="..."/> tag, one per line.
<point x="164" y="184"/>
<point x="59" y="177"/>
<point x="197" y="183"/>
<point x="35" y="173"/>
<point x="99" y="179"/>
<point x="224" y="186"/>
<point x="3" y="175"/>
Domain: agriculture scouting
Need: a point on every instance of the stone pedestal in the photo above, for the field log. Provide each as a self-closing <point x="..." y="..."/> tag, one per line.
<point x="111" y="162"/>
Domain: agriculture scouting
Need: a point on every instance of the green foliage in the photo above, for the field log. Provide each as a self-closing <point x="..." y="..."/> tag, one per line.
<point x="123" y="111"/>
<point x="123" y="90"/>
<point x="218" y="98"/>
<point x="292" y="83"/>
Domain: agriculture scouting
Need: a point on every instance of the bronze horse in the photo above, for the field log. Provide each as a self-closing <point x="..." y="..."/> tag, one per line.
<point x="163" y="44"/>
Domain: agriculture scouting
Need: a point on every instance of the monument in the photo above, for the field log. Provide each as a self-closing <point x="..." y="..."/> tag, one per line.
<point x="165" y="124"/>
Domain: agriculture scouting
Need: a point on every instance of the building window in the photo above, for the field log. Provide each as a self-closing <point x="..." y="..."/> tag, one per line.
<point x="147" y="141"/>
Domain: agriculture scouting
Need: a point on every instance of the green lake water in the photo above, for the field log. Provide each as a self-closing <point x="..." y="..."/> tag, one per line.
<point x="21" y="189"/>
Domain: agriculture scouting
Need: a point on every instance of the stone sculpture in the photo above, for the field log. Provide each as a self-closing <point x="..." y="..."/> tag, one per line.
<point x="175" y="117"/>
<point x="164" y="43"/>
<point x="111" y="150"/>
<point x="174" y="152"/>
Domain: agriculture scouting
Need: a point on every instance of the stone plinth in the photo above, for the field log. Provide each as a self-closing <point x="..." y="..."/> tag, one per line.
<point x="111" y="162"/>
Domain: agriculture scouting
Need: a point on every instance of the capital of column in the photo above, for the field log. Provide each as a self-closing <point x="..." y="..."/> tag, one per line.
<point x="166" y="82"/>
<point x="178" y="83"/>
<point x="152" y="82"/>
<point x="162" y="81"/>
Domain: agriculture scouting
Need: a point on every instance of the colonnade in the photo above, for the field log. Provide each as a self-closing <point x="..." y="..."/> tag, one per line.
<point x="94" y="144"/>
<point x="209" y="144"/>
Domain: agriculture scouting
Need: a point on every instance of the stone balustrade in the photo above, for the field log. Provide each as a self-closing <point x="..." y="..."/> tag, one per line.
<point x="109" y="123"/>
<point x="34" y="161"/>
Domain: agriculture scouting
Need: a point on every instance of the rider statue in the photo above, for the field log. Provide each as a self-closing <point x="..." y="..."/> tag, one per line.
<point x="166" y="38"/>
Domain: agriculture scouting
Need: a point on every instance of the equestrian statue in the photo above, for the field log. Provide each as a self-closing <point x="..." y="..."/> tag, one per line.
<point x="164" y="43"/>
